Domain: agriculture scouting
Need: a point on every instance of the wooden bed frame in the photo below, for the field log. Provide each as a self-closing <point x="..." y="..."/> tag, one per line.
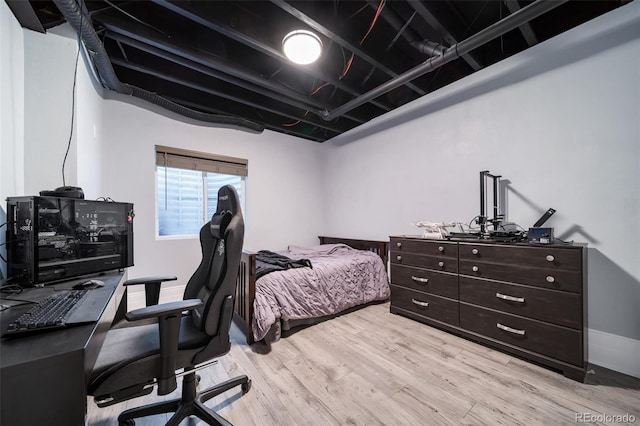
<point x="246" y="286"/>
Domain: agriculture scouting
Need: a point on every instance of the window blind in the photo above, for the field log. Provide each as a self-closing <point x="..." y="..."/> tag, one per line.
<point x="180" y="201"/>
<point x="201" y="161"/>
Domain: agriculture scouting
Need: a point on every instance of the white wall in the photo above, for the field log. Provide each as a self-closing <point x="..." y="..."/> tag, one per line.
<point x="285" y="177"/>
<point x="560" y="121"/>
<point x="36" y="94"/>
<point x="48" y="109"/>
<point x="89" y="131"/>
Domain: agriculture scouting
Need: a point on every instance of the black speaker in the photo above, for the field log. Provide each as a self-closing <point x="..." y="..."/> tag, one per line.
<point x="64" y="191"/>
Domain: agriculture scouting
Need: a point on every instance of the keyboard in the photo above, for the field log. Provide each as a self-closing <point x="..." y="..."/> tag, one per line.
<point x="50" y="313"/>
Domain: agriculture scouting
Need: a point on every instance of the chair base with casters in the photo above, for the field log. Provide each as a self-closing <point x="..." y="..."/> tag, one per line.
<point x="191" y="403"/>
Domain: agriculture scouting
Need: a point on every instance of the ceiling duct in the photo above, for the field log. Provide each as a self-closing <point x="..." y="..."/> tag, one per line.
<point x="82" y="25"/>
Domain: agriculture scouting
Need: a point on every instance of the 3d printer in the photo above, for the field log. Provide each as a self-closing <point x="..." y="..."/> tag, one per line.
<point x="494" y="228"/>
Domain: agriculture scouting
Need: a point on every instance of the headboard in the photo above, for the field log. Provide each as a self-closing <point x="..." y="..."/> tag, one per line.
<point x="381" y="248"/>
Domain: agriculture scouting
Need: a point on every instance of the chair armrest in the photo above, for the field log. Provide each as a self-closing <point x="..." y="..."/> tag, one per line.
<point x="169" y="317"/>
<point x="144" y="280"/>
<point x="165" y="309"/>
<point x="151" y="286"/>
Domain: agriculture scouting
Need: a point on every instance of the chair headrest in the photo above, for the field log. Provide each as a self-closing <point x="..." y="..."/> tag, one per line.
<point x="228" y="206"/>
<point x="228" y="200"/>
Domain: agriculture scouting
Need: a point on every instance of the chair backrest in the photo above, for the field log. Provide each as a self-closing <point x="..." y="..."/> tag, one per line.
<point x="215" y="279"/>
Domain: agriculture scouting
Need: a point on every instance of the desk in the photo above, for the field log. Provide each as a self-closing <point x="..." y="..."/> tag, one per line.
<point x="43" y="377"/>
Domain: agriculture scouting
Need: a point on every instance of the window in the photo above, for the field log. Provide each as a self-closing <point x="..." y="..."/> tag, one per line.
<point x="187" y="187"/>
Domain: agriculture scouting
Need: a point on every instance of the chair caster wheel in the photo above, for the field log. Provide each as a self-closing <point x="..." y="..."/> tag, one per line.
<point x="246" y="386"/>
<point x="127" y="423"/>
<point x="198" y="378"/>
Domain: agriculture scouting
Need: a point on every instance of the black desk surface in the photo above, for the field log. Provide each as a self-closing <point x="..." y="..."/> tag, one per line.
<point x="43" y="376"/>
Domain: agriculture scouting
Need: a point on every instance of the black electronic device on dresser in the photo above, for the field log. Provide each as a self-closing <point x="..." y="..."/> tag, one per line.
<point x="56" y="238"/>
<point x="526" y="300"/>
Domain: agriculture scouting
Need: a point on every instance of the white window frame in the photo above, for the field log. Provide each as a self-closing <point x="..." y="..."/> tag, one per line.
<point x="211" y="163"/>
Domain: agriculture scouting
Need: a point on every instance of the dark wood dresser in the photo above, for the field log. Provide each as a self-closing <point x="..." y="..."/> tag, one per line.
<point x="522" y="299"/>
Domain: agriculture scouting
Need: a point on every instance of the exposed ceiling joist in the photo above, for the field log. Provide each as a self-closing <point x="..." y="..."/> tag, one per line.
<point x="259" y="46"/>
<point x="433" y="21"/>
<point x="241" y="77"/>
<point x="221" y="61"/>
<point x="341" y="41"/>
<point x="525" y="29"/>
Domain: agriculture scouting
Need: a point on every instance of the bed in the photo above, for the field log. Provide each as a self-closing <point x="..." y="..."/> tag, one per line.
<point x="345" y="274"/>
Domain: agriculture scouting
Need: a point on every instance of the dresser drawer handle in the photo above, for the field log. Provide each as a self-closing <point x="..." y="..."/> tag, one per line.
<point x="510" y="330"/>
<point x="510" y="298"/>
<point x="474" y="268"/>
<point x="399" y="258"/>
<point x="440" y="248"/>
<point x="475" y="251"/>
<point x="441" y="264"/>
<point x="419" y="279"/>
<point x="399" y="245"/>
<point x="419" y="303"/>
<point x="550" y="279"/>
<point x="550" y="258"/>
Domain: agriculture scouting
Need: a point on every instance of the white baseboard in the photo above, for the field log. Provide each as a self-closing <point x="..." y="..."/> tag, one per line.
<point x="614" y="352"/>
<point x="136" y="300"/>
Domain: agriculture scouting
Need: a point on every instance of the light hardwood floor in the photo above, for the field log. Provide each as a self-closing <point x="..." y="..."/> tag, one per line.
<point x="371" y="367"/>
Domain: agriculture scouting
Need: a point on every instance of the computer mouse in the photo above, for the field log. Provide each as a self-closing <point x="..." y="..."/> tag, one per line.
<point x="88" y="285"/>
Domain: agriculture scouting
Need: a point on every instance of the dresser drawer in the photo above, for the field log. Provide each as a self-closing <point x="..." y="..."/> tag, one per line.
<point x="538" y="277"/>
<point x="557" y="307"/>
<point x="424" y="246"/>
<point x="539" y="257"/>
<point x="439" y="283"/>
<point x="424" y="304"/>
<point x="440" y="263"/>
<point x="551" y="340"/>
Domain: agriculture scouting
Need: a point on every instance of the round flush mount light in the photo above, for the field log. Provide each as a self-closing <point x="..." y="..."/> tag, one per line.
<point x="302" y="47"/>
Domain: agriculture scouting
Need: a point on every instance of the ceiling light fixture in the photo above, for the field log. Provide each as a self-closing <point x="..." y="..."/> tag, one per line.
<point x="302" y="47"/>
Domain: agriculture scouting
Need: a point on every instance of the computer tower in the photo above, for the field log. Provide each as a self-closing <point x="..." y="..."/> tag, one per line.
<point x="53" y="238"/>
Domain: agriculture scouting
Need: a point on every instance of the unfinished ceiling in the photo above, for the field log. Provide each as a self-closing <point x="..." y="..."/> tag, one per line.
<point x="224" y="58"/>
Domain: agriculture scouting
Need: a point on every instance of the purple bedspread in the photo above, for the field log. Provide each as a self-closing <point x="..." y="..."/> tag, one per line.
<point x="341" y="277"/>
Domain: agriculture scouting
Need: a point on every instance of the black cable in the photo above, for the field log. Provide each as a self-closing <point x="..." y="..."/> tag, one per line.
<point x="504" y="229"/>
<point x="73" y="109"/>
<point x="25" y="301"/>
<point x="136" y="19"/>
<point x="563" y="241"/>
<point x="475" y="19"/>
<point x="356" y="12"/>
<point x="11" y="288"/>
<point x="471" y="221"/>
